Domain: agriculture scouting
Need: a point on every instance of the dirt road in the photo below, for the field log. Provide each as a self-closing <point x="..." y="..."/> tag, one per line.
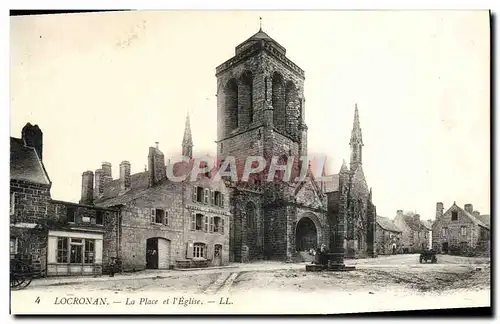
<point x="397" y="280"/>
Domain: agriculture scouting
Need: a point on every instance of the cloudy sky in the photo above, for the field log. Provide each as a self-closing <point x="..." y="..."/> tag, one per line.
<point x="106" y="86"/>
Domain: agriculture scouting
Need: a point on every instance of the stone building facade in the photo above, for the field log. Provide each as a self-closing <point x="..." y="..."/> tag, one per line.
<point x="460" y="229"/>
<point x="164" y="223"/>
<point x="55" y="237"/>
<point x="360" y="212"/>
<point x="388" y="237"/>
<point x="260" y="108"/>
<point x="415" y="234"/>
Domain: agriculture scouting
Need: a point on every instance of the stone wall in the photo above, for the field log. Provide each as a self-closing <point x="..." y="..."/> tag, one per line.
<point x="176" y="199"/>
<point x="33" y="205"/>
<point x="30" y="201"/>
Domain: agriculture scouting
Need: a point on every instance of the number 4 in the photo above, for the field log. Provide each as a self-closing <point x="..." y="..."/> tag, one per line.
<point x="37" y="300"/>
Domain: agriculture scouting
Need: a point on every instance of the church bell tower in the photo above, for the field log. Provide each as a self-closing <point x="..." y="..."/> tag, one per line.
<point x="260" y="103"/>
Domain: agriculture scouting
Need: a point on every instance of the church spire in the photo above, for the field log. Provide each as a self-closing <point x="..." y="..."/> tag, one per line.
<point x="356" y="141"/>
<point x="187" y="141"/>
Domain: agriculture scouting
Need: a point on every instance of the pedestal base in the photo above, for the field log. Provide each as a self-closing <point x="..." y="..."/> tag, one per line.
<point x="340" y="267"/>
<point x="333" y="267"/>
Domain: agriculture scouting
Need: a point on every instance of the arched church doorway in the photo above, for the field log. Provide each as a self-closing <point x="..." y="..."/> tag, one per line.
<point x="306" y="235"/>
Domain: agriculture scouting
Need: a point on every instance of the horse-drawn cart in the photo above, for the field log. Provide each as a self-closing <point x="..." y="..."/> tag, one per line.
<point x="21" y="274"/>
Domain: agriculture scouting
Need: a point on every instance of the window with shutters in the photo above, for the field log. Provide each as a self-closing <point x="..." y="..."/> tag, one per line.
<point x="211" y="224"/>
<point x="206" y="196"/>
<point x="206" y="223"/>
<point x="193" y="221"/>
<point x="199" y="250"/>
<point x="199" y="222"/>
<point x="222" y="200"/>
<point x="199" y="194"/>
<point x="12" y="203"/>
<point x="212" y="197"/>
<point x="444" y="231"/>
<point x="217" y="198"/>
<point x="158" y="216"/>
<point x="463" y="231"/>
<point x="218" y="225"/>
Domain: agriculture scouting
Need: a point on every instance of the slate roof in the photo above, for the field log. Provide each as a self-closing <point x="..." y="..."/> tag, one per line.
<point x="138" y="181"/>
<point x="331" y="183"/>
<point x="25" y="165"/>
<point x="139" y="186"/>
<point x="413" y="223"/>
<point x="485" y="219"/>
<point x="476" y="220"/>
<point x="388" y="224"/>
<point x="260" y="35"/>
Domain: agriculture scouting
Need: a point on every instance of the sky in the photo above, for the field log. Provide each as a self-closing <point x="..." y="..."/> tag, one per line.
<point x="106" y="86"/>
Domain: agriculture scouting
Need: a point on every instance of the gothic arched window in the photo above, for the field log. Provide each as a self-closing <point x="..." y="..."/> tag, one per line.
<point x="231" y="105"/>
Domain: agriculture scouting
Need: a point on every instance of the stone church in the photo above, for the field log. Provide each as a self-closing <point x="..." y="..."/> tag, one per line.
<point x="260" y="112"/>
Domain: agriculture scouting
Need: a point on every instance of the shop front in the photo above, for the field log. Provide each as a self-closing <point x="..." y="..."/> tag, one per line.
<point x="74" y="253"/>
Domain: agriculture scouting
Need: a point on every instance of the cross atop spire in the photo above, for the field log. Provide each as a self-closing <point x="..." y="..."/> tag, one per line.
<point x="187" y="140"/>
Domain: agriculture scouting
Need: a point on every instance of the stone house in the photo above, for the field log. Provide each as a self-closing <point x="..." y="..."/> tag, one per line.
<point x="260" y="112"/>
<point x="460" y="228"/>
<point x="415" y="236"/>
<point x="388" y="236"/>
<point x="163" y="223"/>
<point x="55" y="237"/>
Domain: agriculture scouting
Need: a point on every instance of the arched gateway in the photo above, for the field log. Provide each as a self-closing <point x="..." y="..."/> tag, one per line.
<point x="306" y="235"/>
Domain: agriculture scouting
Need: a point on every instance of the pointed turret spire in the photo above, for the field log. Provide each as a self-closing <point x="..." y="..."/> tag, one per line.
<point x="356" y="141"/>
<point x="356" y="128"/>
<point x="187" y="140"/>
<point x="260" y="19"/>
<point x="344" y="168"/>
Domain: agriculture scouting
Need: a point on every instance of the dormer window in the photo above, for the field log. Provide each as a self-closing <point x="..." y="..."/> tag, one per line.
<point x="454" y="215"/>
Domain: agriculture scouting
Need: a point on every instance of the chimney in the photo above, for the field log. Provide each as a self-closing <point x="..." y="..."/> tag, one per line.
<point x="469" y="208"/>
<point x="439" y="210"/>
<point x="99" y="183"/>
<point x="156" y="165"/>
<point x="399" y="212"/>
<point x="106" y="168"/>
<point x="32" y="136"/>
<point x="476" y="213"/>
<point x="87" y="188"/>
<point x="124" y="175"/>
